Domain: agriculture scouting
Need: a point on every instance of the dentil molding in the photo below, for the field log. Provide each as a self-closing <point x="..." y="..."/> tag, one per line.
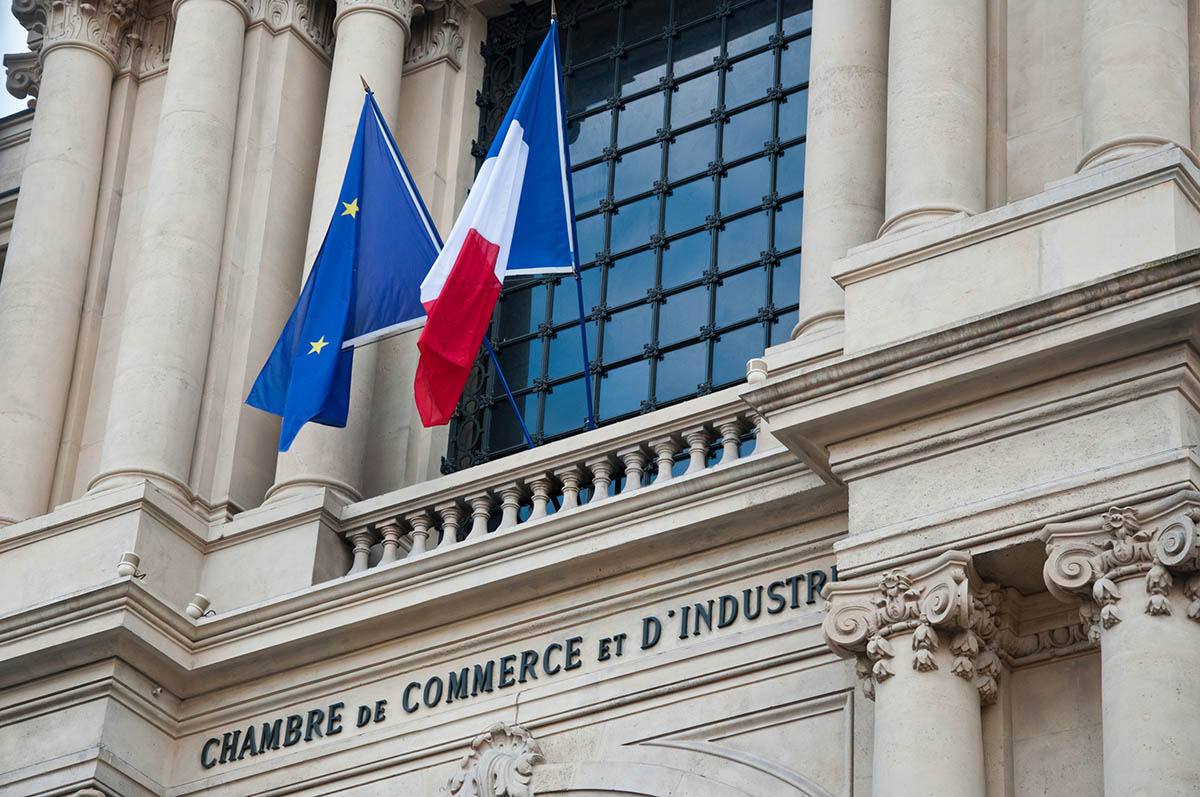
<point x="1088" y="560"/>
<point x="499" y="763"/>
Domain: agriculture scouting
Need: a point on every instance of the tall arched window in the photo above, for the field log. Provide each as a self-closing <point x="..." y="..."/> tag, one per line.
<point x="686" y="121"/>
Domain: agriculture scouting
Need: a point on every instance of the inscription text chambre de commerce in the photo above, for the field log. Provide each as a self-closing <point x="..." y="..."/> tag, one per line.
<point x="557" y="657"/>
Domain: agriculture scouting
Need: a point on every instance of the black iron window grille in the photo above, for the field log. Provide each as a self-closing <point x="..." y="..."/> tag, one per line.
<point x="686" y="122"/>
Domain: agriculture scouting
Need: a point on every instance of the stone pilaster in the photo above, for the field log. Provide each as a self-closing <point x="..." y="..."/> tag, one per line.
<point x="45" y="271"/>
<point x="936" y="112"/>
<point x="370" y="41"/>
<point x="1135" y="78"/>
<point x="159" y="376"/>
<point x="924" y="641"/>
<point x="1138" y="582"/>
<point x="844" y="175"/>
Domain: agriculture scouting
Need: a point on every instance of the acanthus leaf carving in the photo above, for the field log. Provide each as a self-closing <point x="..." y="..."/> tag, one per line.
<point x="499" y="763"/>
<point x="437" y="36"/>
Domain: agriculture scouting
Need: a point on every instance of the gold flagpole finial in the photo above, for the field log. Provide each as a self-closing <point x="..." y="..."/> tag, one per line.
<point x="553" y="10"/>
<point x="366" y="88"/>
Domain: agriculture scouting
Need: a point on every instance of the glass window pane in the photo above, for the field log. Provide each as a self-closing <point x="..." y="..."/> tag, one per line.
<point x="591" y="235"/>
<point x="640" y="119"/>
<point x="747" y="133"/>
<point x="521" y="362"/>
<point x="785" y="282"/>
<point x="793" y="116"/>
<point x="789" y="176"/>
<point x="689" y="204"/>
<point x="742" y="240"/>
<point x="505" y="430"/>
<point x="566" y="408"/>
<point x="643" y="19"/>
<point x="642" y="67"/>
<point x="750" y="26"/>
<point x="626" y="333"/>
<point x="686" y="259"/>
<point x="593" y="36"/>
<point x="749" y="79"/>
<point x="633" y="224"/>
<point x="694" y="100"/>
<point x="740" y="296"/>
<point x="588" y="87"/>
<point x="691" y="152"/>
<point x="636" y="171"/>
<point x="744" y="186"/>
<point x="566" y="300"/>
<point x="793" y="62"/>
<point x="731" y="352"/>
<point x="590" y="186"/>
<point x="789" y="224"/>
<point x="522" y="310"/>
<point x="622" y="390"/>
<point x="797" y="16"/>
<point x="566" y="355"/>
<point x="589" y="136"/>
<point x="629" y="278"/>
<point x="681" y="316"/>
<point x="690" y="10"/>
<point x="781" y="329"/>
<point x="680" y="371"/>
<point x="697" y="46"/>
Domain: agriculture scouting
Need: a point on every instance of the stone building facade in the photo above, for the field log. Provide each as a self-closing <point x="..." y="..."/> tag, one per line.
<point x="941" y="538"/>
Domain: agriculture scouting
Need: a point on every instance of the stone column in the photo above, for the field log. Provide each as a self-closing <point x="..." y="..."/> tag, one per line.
<point x="936" y="111"/>
<point x="1139" y="584"/>
<point x="370" y="37"/>
<point x="1135" y="78"/>
<point x="159" y="375"/>
<point x="844" y="167"/>
<point x="45" y="271"/>
<point x="924" y="648"/>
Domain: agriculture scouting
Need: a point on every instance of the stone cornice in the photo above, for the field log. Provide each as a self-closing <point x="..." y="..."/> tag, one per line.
<point x="1087" y="560"/>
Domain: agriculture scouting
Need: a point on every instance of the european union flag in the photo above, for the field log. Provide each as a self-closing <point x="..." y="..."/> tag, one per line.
<point x="364" y="284"/>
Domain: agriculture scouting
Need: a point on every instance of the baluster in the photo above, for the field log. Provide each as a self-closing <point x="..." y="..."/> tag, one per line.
<point x="481" y="510"/>
<point x="602" y="470"/>
<point x="391" y="541"/>
<point x="634" y="459"/>
<point x="540" y="485"/>
<point x="362" y="540"/>
<point x="698" y="440"/>
<point x="452" y="517"/>
<point x="510" y="506"/>
<point x="756" y="373"/>
<point x="665" y="449"/>
<point x="570" y="478"/>
<point x="420" y="522"/>
<point x="731" y="431"/>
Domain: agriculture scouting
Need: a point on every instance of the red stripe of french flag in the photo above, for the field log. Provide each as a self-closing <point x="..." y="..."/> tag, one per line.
<point x="461" y="288"/>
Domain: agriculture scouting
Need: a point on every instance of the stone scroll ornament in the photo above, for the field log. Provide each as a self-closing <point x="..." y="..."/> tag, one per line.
<point x="499" y="764"/>
<point x="942" y="602"/>
<point x="1089" y="561"/>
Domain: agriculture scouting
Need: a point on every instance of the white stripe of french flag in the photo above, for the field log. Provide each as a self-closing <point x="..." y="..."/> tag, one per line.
<point x="461" y="288"/>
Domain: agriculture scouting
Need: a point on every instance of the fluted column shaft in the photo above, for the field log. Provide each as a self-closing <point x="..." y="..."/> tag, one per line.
<point x="370" y="41"/>
<point x="165" y="335"/>
<point x="844" y="166"/>
<point x="936" y="112"/>
<point x="45" y="270"/>
<point x="1135" y="78"/>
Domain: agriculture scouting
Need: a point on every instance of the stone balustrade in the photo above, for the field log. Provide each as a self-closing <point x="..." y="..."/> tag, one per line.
<point x="565" y="476"/>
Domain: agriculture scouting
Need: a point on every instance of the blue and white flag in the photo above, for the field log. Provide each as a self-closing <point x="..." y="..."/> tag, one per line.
<point x="364" y="285"/>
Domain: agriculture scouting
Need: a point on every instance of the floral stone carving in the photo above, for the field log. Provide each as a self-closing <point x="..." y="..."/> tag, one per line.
<point x="499" y="764"/>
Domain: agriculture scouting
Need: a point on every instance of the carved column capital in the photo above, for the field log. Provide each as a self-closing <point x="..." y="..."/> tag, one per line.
<point x="437" y="36"/>
<point x="96" y="25"/>
<point x="941" y="602"/>
<point x="311" y="19"/>
<point x="1087" y="560"/>
<point x="399" y="10"/>
<point x="499" y="763"/>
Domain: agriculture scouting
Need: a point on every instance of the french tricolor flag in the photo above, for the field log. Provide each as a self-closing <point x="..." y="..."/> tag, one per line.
<point x="518" y="218"/>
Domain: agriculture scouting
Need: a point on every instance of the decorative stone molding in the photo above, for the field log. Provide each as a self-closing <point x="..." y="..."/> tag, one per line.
<point x="866" y="618"/>
<point x="98" y="25"/>
<point x="499" y="764"/>
<point x="23" y="76"/>
<point x="312" y="20"/>
<point x="437" y="36"/>
<point x="1088" y="559"/>
<point x="399" y="10"/>
<point x="147" y="46"/>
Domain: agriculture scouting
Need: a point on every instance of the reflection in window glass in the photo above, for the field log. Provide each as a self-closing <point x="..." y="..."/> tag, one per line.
<point x="686" y="122"/>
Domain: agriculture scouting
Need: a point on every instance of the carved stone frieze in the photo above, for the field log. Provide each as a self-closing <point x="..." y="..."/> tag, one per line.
<point x="99" y="25"/>
<point x="1088" y="560"/>
<point x="922" y="608"/>
<point x="499" y="763"/>
<point x="437" y="36"/>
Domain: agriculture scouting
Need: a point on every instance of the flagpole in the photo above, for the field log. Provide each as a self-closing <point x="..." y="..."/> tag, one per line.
<point x="511" y="400"/>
